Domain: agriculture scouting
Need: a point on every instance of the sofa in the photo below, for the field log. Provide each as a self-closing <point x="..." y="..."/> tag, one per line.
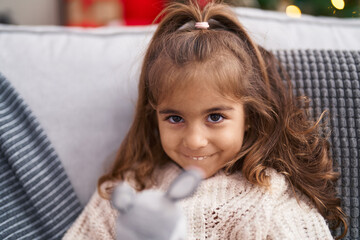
<point x="80" y="88"/>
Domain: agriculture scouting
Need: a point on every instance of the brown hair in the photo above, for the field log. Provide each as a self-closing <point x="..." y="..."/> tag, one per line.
<point x="280" y="136"/>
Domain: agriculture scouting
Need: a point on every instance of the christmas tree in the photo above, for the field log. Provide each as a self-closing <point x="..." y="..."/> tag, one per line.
<point x="334" y="8"/>
<point x="337" y="8"/>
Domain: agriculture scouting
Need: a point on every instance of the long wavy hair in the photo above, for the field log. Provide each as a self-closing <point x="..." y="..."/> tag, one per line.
<point x="281" y="135"/>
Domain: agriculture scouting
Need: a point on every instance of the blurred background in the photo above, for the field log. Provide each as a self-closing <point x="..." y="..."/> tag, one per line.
<point x="96" y="13"/>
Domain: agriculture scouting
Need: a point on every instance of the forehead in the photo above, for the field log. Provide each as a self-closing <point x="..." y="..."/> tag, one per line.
<point x="196" y="98"/>
<point x="217" y="78"/>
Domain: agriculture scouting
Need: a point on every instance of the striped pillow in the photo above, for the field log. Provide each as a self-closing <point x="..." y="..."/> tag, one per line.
<point x="37" y="200"/>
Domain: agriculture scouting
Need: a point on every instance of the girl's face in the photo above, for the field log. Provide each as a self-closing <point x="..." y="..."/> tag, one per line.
<point x="200" y="127"/>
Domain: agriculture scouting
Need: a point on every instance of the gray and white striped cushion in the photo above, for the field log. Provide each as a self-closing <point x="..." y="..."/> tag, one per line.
<point x="37" y="200"/>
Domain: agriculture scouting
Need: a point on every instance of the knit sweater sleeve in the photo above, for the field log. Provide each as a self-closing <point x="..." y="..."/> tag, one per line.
<point x="97" y="221"/>
<point x="293" y="220"/>
<point x="282" y="215"/>
<point x="294" y="217"/>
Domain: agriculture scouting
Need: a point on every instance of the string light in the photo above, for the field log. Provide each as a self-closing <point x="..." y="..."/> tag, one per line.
<point x="338" y="4"/>
<point x="293" y="11"/>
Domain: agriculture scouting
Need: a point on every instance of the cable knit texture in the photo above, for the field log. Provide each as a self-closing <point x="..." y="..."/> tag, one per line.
<point x="223" y="207"/>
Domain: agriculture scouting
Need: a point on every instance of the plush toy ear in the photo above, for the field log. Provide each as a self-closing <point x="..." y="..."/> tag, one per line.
<point x="185" y="184"/>
<point x="123" y="197"/>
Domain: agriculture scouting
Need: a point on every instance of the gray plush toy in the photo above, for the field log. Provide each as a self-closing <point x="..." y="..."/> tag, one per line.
<point x="151" y="214"/>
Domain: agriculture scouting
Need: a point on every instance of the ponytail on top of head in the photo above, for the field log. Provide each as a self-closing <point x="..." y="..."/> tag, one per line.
<point x="217" y="14"/>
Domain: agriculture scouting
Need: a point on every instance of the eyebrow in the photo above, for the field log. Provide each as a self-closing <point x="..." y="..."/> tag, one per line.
<point x="214" y="109"/>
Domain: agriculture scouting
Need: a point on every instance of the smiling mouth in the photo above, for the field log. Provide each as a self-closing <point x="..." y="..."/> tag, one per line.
<point x="198" y="158"/>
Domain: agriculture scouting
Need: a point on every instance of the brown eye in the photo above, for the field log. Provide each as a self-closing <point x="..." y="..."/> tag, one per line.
<point x="175" y="119"/>
<point x="214" y="118"/>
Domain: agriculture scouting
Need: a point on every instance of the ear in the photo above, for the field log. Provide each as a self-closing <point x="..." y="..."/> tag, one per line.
<point x="123" y="197"/>
<point x="185" y="184"/>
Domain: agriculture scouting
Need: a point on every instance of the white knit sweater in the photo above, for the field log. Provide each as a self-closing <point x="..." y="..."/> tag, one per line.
<point x="223" y="207"/>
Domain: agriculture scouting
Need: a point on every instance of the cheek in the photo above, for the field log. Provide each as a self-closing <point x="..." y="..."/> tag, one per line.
<point x="231" y="138"/>
<point x="167" y="137"/>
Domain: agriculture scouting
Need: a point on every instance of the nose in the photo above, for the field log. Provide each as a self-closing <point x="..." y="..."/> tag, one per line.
<point x="195" y="138"/>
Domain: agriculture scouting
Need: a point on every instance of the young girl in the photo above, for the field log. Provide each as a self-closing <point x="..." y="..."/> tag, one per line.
<point x="210" y="97"/>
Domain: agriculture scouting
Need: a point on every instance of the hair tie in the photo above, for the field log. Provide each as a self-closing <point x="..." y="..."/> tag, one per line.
<point x="202" y="25"/>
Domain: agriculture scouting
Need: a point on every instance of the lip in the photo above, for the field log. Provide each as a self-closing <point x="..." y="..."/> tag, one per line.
<point x="199" y="157"/>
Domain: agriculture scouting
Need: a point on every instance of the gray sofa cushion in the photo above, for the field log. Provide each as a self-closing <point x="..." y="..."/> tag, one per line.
<point x="37" y="200"/>
<point x="332" y="80"/>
